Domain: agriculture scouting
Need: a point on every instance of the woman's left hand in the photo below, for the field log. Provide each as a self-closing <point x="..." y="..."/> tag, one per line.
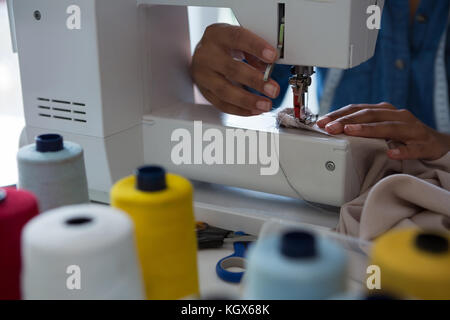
<point x="387" y="122"/>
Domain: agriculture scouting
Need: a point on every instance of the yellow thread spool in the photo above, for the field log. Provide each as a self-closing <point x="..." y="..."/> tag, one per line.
<point x="414" y="264"/>
<point x="160" y="205"/>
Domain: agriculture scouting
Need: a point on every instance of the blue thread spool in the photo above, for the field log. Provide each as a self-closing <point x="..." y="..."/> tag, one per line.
<point x="295" y="266"/>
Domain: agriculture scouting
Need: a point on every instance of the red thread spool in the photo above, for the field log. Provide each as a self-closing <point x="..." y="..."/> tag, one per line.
<point x="17" y="207"/>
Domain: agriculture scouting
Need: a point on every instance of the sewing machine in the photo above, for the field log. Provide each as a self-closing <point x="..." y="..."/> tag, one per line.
<point x="112" y="75"/>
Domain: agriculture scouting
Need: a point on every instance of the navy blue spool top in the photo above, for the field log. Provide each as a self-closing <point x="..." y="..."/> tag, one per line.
<point x="298" y="245"/>
<point x="432" y="243"/>
<point x="49" y="143"/>
<point x="151" y="178"/>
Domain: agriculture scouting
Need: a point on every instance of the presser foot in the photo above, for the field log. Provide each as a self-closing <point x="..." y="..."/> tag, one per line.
<point x="300" y="82"/>
<point x="311" y="119"/>
<point x="306" y="116"/>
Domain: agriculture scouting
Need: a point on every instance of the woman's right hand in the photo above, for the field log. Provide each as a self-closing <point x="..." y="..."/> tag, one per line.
<point x="219" y="72"/>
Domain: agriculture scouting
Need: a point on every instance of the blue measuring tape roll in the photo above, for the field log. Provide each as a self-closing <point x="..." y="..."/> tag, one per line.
<point x="235" y="260"/>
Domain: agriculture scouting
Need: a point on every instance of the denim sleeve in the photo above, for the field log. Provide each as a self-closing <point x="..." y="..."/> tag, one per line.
<point x="320" y="80"/>
<point x="447" y="59"/>
<point x="280" y="74"/>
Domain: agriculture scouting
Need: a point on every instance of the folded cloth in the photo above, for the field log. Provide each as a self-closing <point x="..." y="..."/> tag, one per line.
<point x="409" y="193"/>
<point x="393" y="194"/>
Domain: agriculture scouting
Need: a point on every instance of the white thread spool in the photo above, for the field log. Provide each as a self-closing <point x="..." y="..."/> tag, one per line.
<point x="54" y="171"/>
<point x="80" y="252"/>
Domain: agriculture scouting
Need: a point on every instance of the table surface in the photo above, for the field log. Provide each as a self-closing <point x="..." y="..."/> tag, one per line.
<point x="211" y="286"/>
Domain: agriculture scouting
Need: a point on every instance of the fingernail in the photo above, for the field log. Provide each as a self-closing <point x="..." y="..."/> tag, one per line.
<point x="269" y="54"/>
<point x="353" y="127"/>
<point x="394" y="152"/>
<point x="333" y="127"/>
<point x="270" y="90"/>
<point x="323" y="120"/>
<point x="263" y="105"/>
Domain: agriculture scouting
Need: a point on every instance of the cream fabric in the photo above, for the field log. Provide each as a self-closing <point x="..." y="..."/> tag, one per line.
<point x="394" y="194"/>
<point x="400" y="194"/>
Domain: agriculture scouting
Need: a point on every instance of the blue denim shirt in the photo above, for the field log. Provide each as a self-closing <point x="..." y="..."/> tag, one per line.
<point x="402" y="69"/>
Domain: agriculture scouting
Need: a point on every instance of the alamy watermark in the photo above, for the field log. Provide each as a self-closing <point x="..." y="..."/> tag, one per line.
<point x="373" y="281"/>
<point x="73" y="21"/>
<point x="73" y="281"/>
<point x="230" y="146"/>
<point x="374" y="19"/>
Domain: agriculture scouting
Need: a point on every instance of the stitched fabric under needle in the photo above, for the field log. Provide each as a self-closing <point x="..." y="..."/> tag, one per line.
<point x="286" y="118"/>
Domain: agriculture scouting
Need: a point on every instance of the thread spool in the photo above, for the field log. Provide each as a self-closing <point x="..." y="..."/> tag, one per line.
<point x="17" y="207"/>
<point x="295" y="266"/>
<point x="54" y="171"/>
<point x="414" y="264"/>
<point x="161" y="207"/>
<point x="81" y="252"/>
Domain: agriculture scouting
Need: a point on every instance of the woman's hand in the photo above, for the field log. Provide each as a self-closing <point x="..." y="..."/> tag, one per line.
<point x="385" y="121"/>
<point x="219" y="72"/>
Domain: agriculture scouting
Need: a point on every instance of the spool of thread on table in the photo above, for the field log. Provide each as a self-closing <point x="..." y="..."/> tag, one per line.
<point x="54" y="171"/>
<point x="414" y="264"/>
<point x="295" y="266"/>
<point x="17" y="207"/>
<point x="81" y="252"/>
<point x="161" y="207"/>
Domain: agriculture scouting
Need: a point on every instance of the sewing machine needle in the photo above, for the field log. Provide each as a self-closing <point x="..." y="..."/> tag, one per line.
<point x="280" y="45"/>
<point x="268" y="72"/>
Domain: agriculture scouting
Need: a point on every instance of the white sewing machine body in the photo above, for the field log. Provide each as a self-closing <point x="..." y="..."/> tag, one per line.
<point x="120" y="86"/>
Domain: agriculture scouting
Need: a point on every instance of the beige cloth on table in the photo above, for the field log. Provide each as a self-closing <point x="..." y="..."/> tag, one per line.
<point x="394" y="194"/>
